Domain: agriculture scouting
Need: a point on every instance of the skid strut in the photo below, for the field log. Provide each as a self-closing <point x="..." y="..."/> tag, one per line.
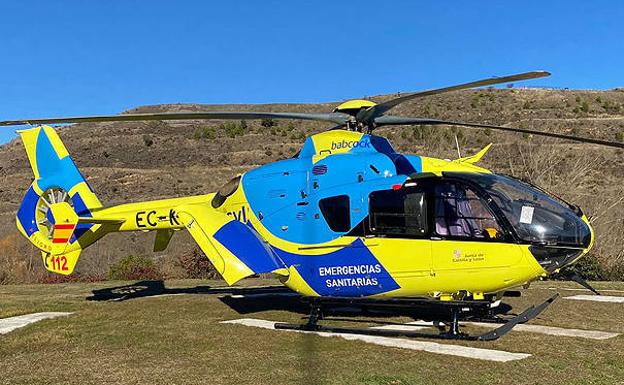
<point x="453" y="331"/>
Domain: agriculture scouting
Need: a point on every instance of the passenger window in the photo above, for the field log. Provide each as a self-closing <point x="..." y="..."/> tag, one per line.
<point x="398" y="213"/>
<point x="336" y="212"/>
<point x="460" y="212"/>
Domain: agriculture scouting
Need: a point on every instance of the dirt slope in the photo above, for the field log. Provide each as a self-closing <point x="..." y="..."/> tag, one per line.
<point x="138" y="161"/>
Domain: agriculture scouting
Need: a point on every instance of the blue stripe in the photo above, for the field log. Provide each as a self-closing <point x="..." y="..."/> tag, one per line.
<point x="83" y="211"/>
<point x="26" y="211"/>
<point x="335" y="273"/>
<point x="247" y="245"/>
<point x="53" y="171"/>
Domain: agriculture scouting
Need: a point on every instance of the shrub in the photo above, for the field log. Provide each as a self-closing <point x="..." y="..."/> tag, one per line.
<point x="18" y="262"/>
<point x="5" y="277"/>
<point x="209" y="133"/>
<point x="51" y="278"/>
<point x="585" y="107"/>
<point x="148" y="140"/>
<point x="267" y="123"/>
<point x="616" y="273"/>
<point x="134" y="267"/>
<point x="589" y="268"/>
<point x="297" y="135"/>
<point x="196" y="265"/>
<point x="460" y="135"/>
<point x="620" y="136"/>
<point x="232" y="129"/>
<point x="424" y="132"/>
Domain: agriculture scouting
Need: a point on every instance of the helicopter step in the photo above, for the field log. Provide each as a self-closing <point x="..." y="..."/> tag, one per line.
<point x="457" y="310"/>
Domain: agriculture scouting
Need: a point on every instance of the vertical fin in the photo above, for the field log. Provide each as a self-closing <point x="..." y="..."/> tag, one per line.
<point x="476" y="157"/>
<point x="58" y="196"/>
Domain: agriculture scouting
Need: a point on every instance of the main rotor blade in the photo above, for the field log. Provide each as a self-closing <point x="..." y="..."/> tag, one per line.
<point x="381" y="108"/>
<point x="334" y="117"/>
<point x="400" y="120"/>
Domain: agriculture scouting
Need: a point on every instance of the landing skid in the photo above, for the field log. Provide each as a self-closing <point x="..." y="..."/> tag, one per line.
<point x="451" y="333"/>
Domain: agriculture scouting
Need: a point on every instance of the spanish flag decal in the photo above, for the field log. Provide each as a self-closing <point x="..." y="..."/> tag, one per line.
<point x="62" y="233"/>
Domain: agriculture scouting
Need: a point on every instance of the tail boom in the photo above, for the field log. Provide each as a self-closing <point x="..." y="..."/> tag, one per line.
<point x="61" y="216"/>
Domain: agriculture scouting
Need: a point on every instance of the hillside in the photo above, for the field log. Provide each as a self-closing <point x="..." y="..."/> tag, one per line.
<point x="137" y="161"/>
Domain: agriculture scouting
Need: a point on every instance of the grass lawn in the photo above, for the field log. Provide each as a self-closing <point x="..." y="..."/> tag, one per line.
<point x="177" y="339"/>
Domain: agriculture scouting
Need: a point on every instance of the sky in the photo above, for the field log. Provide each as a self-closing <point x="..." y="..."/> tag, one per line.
<point x="75" y="57"/>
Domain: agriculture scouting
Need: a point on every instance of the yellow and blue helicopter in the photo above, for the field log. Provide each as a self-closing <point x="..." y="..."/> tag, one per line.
<point x="346" y="221"/>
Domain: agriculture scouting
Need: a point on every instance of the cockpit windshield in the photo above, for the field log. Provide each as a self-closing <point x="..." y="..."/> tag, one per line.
<point x="535" y="216"/>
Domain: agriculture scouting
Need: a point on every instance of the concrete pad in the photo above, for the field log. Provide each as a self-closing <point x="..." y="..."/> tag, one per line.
<point x="596" y="298"/>
<point x="411" y="344"/>
<point x="585" y="290"/>
<point x="410" y="326"/>
<point x="554" y="331"/>
<point x="9" y="324"/>
<point x="549" y="330"/>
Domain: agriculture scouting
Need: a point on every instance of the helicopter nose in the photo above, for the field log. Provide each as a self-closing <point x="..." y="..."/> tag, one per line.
<point x="592" y="238"/>
<point x="554" y="258"/>
<point x="587" y="242"/>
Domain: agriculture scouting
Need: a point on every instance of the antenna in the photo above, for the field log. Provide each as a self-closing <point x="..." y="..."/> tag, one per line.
<point x="457" y="144"/>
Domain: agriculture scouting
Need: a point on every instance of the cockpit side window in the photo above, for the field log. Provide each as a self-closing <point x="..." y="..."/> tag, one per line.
<point x="460" y="213"/>
<point x="398" y="213"/>
<point x="337" y="213"/>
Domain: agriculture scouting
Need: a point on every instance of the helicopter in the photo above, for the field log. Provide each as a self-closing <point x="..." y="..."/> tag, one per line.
<point x="347" y="221"/>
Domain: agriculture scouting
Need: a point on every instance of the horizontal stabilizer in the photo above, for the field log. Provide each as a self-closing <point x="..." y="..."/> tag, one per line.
<point x="101" y="221"/>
